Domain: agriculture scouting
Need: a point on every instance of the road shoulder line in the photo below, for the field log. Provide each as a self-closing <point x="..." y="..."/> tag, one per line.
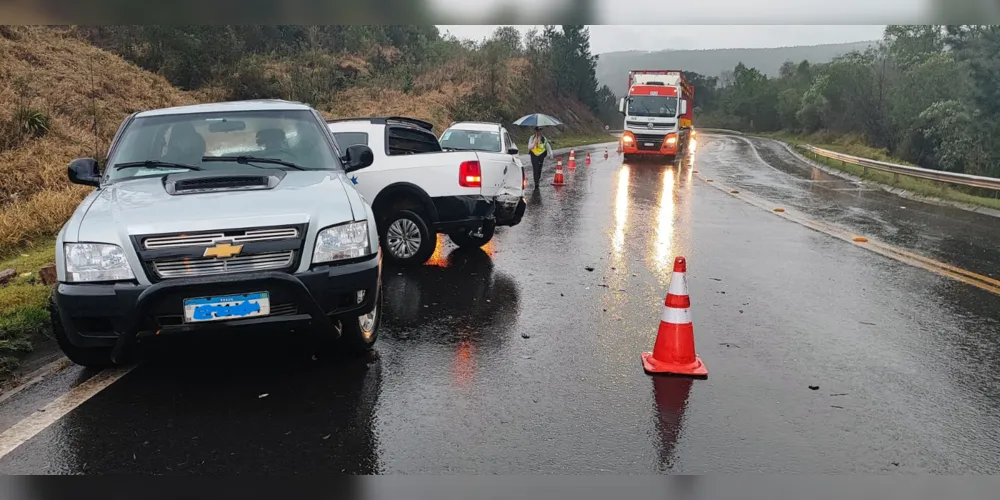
<point x="40" y="420"/>
<point x="898" y="254"/>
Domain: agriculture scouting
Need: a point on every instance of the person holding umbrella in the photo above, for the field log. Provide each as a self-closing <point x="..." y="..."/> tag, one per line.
<point x="539" y="146"/>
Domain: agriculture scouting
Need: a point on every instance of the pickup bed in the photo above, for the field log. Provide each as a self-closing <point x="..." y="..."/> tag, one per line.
<point x="418" y="190"/>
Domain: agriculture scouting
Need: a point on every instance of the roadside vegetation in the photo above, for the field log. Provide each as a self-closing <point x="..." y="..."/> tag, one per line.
<point x="923" y="95"/>
<point x="65" y="90"/>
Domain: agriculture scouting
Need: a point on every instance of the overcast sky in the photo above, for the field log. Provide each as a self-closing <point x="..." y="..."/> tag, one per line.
<point x="604" y="38"/>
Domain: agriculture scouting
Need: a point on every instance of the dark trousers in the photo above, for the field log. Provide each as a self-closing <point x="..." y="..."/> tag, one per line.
<point x="536" y="165"/>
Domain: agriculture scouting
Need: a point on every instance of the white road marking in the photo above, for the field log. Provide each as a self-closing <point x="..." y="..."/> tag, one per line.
<point x="38" y="421"/>
<point x="36" y="377"/>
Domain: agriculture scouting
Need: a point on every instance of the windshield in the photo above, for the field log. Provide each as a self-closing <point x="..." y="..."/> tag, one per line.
<point x="653" y="105"/>
<point x="292" y="136"/>
<point x="471" y="140"/>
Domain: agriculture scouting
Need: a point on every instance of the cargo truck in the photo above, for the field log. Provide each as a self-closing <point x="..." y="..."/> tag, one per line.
<point x="658" y="113"/>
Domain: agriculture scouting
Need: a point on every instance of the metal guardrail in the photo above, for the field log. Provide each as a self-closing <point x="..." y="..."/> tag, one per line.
<point x="897" y="170"/>
<point x="719" y="130"/>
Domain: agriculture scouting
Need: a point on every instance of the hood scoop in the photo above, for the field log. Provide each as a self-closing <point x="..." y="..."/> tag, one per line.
<point x="220" y="181"/>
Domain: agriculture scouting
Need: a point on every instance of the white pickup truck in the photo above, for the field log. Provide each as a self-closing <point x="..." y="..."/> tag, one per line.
<point x="417" y="189"/>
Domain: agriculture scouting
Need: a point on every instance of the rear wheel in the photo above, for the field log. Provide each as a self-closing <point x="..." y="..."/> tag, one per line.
<point x="406" y="239"/>
<point x="467" y="239"/>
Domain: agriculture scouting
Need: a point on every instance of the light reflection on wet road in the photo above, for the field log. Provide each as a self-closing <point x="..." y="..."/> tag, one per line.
<point x="518" y="359"/>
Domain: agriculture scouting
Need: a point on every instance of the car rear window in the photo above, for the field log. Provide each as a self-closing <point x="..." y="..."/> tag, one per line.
<point x="408" y="140"/>
<point x="348" y="139"/>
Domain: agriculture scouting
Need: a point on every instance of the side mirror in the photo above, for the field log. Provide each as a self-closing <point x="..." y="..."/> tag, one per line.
<point x="684" y="106"/>
<point x="359" y="156"/>
<point x="621" y="105"/>
<point x="84" y="171"/>
<point x="512" y="150"/>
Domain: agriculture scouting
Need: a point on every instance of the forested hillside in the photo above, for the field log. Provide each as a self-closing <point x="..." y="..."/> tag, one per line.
<point x="925" y="94"/>
<point x="613" y="67"/>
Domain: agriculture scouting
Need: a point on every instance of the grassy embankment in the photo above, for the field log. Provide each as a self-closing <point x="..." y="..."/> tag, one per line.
<point x="63" y="98"/>
<point x="921" y="187"/>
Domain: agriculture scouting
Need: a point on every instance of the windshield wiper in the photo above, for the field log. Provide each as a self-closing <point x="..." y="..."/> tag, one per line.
<point x="154" y="164"/>
<point x="246" y="160"/>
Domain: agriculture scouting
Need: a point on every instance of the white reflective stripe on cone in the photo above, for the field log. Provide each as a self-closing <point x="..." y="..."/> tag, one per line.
<point x="678" y="284"/>
<point x="676" y="315"/>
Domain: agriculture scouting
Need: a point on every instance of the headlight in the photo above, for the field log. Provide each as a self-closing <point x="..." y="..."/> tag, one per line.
<point x="346" y="241"/>
<point x="96" y="262"/>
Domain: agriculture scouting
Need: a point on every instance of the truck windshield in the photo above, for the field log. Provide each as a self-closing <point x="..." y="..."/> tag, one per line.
<point x="471" y="140"/>
<point x="652" y="105"/>
<point x="193" y="139"/>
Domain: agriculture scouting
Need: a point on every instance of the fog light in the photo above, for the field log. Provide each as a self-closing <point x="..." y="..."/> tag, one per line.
<point x="361" y="296"/>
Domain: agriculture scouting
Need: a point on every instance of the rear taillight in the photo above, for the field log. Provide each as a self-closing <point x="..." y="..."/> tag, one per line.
<point x="470" y="175"/>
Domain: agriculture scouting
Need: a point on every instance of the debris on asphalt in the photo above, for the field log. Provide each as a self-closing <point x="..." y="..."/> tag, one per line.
<point x="525" y="336"/>
<point x="837" y="407"/>
<point x="866" y="323"/>
<point x="741" y="311"/>
<point x="327" y="437"/>
<point x="814" y="387"/>
<point x="588" y="268"/>
<point x="839" y="394"/>
<point x="561" y="295"/>
<point x="727" y="344"/>
<point x="262" y="396"/>
<point x="715" y="279"/>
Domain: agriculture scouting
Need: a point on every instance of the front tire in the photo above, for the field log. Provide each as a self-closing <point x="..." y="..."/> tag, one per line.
<point x="465" y="239"/>
<point x="90" y="357"/>
<point x="406" y="239"/>
<point x="358" y="334"/>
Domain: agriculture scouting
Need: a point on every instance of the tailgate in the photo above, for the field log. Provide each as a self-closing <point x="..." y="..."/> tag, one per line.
<point x="502" y="175"/>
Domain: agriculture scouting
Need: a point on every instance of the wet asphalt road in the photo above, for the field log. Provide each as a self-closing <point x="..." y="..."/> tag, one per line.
<point x="517" y="359"/>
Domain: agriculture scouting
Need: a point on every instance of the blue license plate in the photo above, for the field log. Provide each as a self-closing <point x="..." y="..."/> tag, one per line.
<point x="227" y="307"/>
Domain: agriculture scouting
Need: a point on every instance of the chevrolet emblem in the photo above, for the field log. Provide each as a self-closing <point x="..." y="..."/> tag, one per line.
<point x="223" y="251"/>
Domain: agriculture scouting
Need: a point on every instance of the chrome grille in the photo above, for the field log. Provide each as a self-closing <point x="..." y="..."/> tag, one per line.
<point x="206" y="267"/>
<point x="645" y="126"/>
<point x="206" y="240"/>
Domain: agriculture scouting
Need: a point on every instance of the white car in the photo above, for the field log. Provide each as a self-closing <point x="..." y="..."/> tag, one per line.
<point x="225" y="216"/>
<point x="418" y="189"/>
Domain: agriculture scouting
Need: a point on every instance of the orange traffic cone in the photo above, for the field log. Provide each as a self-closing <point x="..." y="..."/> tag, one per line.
<point x="559" y="181"/>
<point x="588" y="157"/>
<point x="673" y="352"/>
<point x="572" y="160"/>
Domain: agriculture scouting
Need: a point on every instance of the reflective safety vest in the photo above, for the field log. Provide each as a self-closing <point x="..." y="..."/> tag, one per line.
<point x="539" y="147"/>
